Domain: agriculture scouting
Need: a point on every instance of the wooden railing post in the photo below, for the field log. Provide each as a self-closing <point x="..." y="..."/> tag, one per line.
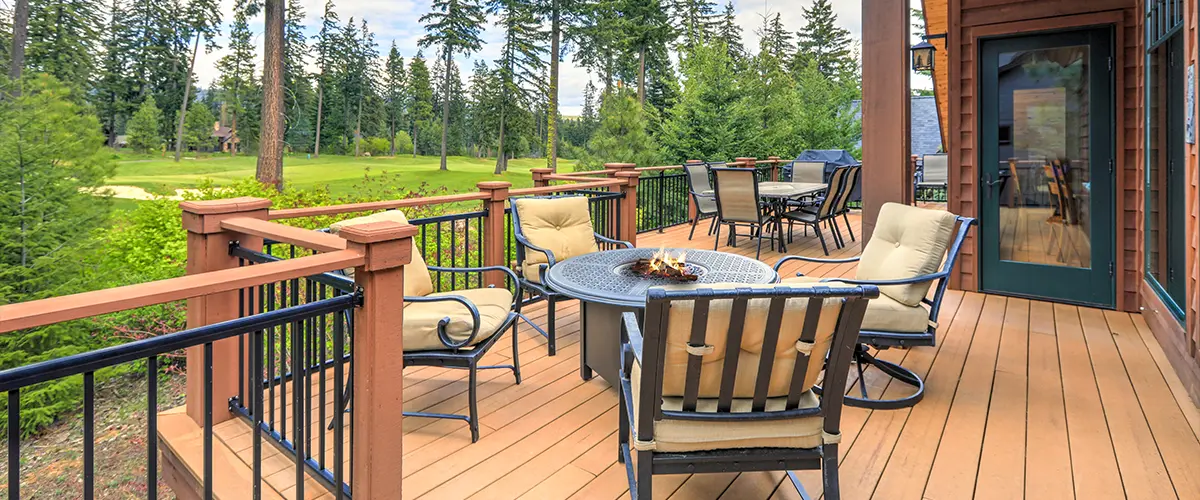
<point x="774" y="168"/>
<point x="494" y="230"/>
<point x="629" y="205"/>
<point x="207" y="251"/>
<point x="378" y="355"/>
<point x="539" y="176"/>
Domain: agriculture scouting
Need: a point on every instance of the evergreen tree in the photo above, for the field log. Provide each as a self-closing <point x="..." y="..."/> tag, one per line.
<point x="20" y="34"/>
<point x="113" y="91"/>
<point x="298" y="95"/>
<point x="696" y="22"/>
<point x="454" y="26"/>
<point x="564" y="16"/>
<point x="420" y="101"/>
<point x="63" y="36"/>
<point x="453" y="129"/>
<point x="774" y="40"/>
<point x="645" y="30"/>
<point x="821" y="43"/>
<point x="704" y="124"/>
<point x="520" y="64"/>
<point x="271" y="141"/>
<point x="598" y="39"/>
<point x="484" y="111"/>
<point x="143" y="129"/>
<point x="622" y="135"/>
<point x="729" y="32"/>
<point x="237" y="80"/>
<point x="394" y="91"/>
<point x="198" y="128"/>
<point x="327" y="44"/>
<point x="203" y="22"/>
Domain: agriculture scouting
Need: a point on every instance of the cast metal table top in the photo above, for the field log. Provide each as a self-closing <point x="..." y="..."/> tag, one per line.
<point x="604" y="277"/>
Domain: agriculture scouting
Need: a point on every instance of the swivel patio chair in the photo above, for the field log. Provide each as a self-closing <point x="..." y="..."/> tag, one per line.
<point x="904" y="258"/>
<point x="706" y="204"/>
<point x="738" y="204"/>
<point x="551" y="229"/>
<point x="720" y="378"/>
<point x="826" y="211"/>
<point x="451" y="329"/>
<point x="933" y="176"/>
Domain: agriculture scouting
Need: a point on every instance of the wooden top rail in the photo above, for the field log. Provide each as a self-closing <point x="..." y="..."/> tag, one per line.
<point x="573" y="177"/>
<point x="293" y="213"/>
<point x="567" y="187"/>
<point x="589" y="172"/>
<point x="83" y="305"/>
<point x="662" y="167"/>
<point x="313" y="240"/>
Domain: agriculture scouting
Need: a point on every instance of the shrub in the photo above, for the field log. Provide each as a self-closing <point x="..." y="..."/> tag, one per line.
<point x="377" y="146"/>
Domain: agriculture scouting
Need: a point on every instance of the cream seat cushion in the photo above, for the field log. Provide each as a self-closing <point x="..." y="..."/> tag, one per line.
<point x="679" y="327"/>
<point x="421" y="318"/>
<point x="560" y="225"/>
<point x="907" y="242"/>
<point x="672" y="435"/>
<point x="417" y="282"/>
<point x="884" y="314"/>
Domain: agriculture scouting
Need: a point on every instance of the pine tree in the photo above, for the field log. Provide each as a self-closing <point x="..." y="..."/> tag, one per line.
<point x="703" y="124"/>
<point x="63" y="40"/>
<point x="20" y="34"/>
<point x="143" y="130"/>
<point x="598" y="38"/>
<point x="454" y="26"/>
<point x="622" y="135"/>
<point x="729" y="32"/>
<point x="484" y="110"/>
<point x="821" y="43"/>
<point x="203" y="21"/>
<point x="237" y="73"/>
<point x="298" y="93"/>
<point x="327" y="42"/>
<point x="645" y="30"/>
<point x="696" y="22"/>
<point x="521" y="62"/>
<point x="114" y="88"/>
<point x="774" y="40"/>
<point x="420" y="102"/>
<point x="270" y="145"/>
<point x="394" y="91"/>
<point x="362" y="76"/>
<point x="198" y="128"/>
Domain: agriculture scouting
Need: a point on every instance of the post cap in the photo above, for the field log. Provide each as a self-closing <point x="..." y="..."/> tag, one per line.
<point x="225" y="206"/>
<point x="376" y="232"/>
<point x="493" y="185"/>
<point x="541" y="170"/>
<point x="632" y="176"/>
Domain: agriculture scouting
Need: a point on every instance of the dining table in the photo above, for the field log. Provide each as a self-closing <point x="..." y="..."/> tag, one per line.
<point x="777" y="194"/>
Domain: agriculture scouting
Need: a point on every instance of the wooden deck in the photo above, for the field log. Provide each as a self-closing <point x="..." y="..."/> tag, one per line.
<point x="1025" y="399"/>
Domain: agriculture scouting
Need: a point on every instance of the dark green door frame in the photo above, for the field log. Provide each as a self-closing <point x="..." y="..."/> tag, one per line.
<point x="1094" y="284"/>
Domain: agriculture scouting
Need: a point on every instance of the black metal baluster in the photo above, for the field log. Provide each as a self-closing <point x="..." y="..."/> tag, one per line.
<point x="152" y="427"/>
<point x="453" y="253"/>
<point x="256" y="366"/>
<point x="284" y="364"/>
<point x="89" y="435"/>
<point x="298" y="376"/>
<point x="270" y="352"/>
<point x="208" y="420"/>
<point x="323" y="349"/>
<point x="14" y="444"/>
<point x="339" y="404"/>
<point x="438" y="246"/>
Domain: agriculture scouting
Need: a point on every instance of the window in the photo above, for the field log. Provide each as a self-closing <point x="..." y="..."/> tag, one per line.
<point x="1165" y="209"/>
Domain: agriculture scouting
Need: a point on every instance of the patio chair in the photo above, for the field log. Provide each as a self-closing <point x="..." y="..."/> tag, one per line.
<point x="808" y="171"/>
<point x="706" y="204"/>
<point x="720" y="378"/>
<point x="849" y="184"/>
<point x="451" y="329"/>
<point x="825" y="211"/>
<point x="902" y="258"/>
<point x="551" y="229"/>
<point x="738" y="204"/>
<point x="933" y="175"/>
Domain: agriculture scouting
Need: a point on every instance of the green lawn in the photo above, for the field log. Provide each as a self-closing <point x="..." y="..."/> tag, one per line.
<point x="339" y="173"/>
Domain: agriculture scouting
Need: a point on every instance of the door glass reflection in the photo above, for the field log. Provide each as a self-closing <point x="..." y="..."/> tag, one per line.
<point x="1045" y="171"/>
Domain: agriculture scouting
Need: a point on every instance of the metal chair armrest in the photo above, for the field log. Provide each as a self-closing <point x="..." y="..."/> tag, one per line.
<point x="516" y="280"/>
<point x="904" y="281"/>
<point x="606" y="239"/>
<point x="631" y="351"/>
<point x="444" y="322"/>
<point x="813" y="259"/>
<point x="525" y="243"/>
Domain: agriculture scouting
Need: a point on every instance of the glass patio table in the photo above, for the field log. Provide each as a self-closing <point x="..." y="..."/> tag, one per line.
<point x="606" y="288"/>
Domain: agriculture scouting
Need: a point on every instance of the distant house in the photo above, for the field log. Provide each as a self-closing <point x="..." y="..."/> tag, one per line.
<point x="926" y="129"/>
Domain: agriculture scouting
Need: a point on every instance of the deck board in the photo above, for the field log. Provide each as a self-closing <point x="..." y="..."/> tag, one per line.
<point x="1024" y="399"/>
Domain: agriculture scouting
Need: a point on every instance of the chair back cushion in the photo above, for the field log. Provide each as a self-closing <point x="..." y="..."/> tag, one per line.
<point x="737" y="195"/>
<point x="697" y="176"/>
<point x="808" y="171"/>
<point x="560" y="225"/>
<point x="749" y="353"/>
<point x="907" y="242"/>
<point x="935" y="169"/>
<point x="417" y="281"/>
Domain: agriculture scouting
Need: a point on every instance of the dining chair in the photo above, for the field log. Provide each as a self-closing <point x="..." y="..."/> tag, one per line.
<point x="551" y="229"/>
<point x="825" y="211"/>
<point x="808" y="171"/>
<point x="911" y="250"/>
<point x="706" y="204"/>
<point x="451" y="329"/>
<point x="934" y="174"/>
<point x="720" y="378"/>
<point x="739" y="204"/>
<point x="849" y="184"/>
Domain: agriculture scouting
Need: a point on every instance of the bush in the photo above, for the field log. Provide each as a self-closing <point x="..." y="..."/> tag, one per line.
<point x="377" y="146"/>
<point x="404" y="144"/>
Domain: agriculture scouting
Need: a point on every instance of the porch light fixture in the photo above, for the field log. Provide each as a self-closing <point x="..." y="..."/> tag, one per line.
<point x="922" y="53"/>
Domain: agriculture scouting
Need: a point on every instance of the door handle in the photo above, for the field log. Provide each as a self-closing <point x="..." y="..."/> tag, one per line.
<point x="986" y="178"/>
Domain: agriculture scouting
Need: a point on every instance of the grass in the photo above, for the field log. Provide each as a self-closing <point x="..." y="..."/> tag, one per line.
<point x="338" y="173"/>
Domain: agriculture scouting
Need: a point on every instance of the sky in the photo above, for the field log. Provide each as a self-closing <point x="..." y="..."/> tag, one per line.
<point x="397" y="20"/>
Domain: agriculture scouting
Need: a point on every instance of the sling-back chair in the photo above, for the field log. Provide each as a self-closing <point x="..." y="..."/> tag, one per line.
<point x="719" y="378"/>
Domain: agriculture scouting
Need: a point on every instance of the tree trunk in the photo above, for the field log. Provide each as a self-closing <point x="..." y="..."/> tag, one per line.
<point x="501" y="158"/>
<point x="358" y="129"/>
<point x="270" y="154"/>
<point x="445" y="104"/>
<point x="320" y="111"/>
<point x="552" y="107"/>
<point x="187" y="90"/>
<point x="391" y="132"/>
<point x="642" y="76"/>
<point x="414" y="138"/>
<point x="20" y="31"/>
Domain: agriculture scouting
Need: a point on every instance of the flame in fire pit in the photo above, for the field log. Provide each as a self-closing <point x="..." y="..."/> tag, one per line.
<point x="664" y="265"/>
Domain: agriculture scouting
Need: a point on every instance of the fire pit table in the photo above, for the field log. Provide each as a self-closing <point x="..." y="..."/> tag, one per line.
<point x="607" y="285"/>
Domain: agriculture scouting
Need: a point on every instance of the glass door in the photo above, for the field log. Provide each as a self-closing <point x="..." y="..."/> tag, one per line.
<point x="1046" y="176"/>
